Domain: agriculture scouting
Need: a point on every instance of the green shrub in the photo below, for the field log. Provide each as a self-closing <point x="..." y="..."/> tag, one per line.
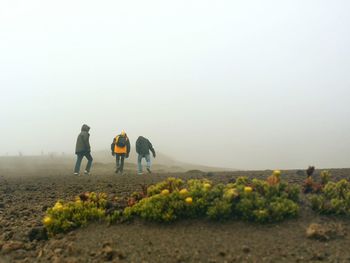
<point x="282" y="208"/>
<point x="116" y="217"/>
<point x="334" y="199"/>
<point x="63" y="217"/>
<point x="173" y="199"/>
<point x="171" y="205"/>
<point x="325" y="177"/>
<point x="220" y="209"/>
<point x="253" y="200"/>
<point x="293" y="192"/>
<point x="171" y="184"/>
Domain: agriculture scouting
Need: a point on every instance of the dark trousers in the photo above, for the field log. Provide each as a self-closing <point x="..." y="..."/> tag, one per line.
<point x="80" y="157"/>
<point x="119" y="157"/>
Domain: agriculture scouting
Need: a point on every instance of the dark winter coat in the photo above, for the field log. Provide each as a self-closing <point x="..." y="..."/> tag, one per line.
<point x="143" y="146"/>
<point x="83" y="143"/>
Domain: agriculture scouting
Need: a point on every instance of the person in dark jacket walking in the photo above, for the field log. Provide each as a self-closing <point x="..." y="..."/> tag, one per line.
<point x="83" y="149"/>
<point x="120" y="148"/>
<point x="143" y="146"/>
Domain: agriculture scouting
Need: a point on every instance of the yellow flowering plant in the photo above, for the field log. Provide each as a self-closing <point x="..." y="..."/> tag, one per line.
<point x="173" y="199"/>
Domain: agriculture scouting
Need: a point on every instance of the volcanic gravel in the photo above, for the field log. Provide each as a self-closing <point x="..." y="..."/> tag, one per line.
<point x="24" y="199"/>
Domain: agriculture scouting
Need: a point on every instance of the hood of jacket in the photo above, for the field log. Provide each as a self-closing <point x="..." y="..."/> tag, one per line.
<point x="85" y="128"/>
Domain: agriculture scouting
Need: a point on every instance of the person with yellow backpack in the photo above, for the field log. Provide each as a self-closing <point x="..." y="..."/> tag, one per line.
<point x="120" y="148"/>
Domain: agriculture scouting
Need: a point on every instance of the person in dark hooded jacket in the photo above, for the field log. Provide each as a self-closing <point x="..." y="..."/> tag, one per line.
<point x="143" y="147"/>
<point x="83" y="149"/>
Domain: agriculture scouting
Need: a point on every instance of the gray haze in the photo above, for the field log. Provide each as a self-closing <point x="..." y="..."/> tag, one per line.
<point x="242" y="84"/>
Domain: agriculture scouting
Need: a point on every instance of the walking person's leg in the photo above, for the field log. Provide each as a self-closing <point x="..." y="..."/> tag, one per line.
<point x="89" y="163"/>
<point x="139" y="164"/>
<point x="117" y="159"/>
<point x="148" y="160"/>
<point x="78" y="163"/>
<point x="122" y="157"/>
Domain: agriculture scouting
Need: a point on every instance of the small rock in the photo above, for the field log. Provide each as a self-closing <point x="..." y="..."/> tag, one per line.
<point x="222" y="253"/>
<point x="180" y="259"/>
<point x="12" y="246"/>
<point x="300" y="259"/>
<point x="246" y="249"/>
<point x="317" y="231"/>
<point x="58" y="251"/>
<point x="71" y="260"/>
<point x="320" y="256"/>
<point x="71" y="238"/>
<point x="25" y="213"/>
<point x="324" y="232"/>
<point x="106" y="244"/>
<point x="61" y="236"/>
<point x="57" y="244"/>
<point x="121" y="255"/>
<point x="55" y="259"/>
<point x="7" y="235"/>
<point x="30" y="246"/>
<point x="20" y="254"/>
<point x="108" y="253"/>
<point x="70" y="249"/>
<point x="284" y="254"/>
<point x="37" y="233"/>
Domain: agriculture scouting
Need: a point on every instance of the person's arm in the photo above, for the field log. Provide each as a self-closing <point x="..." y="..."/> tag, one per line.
<point x="86" y="140"/>
<point x="128" y="146"/>
<point x="137" y="145"/>
<point x="112" y="146"/>
<point x="152" y="149"/>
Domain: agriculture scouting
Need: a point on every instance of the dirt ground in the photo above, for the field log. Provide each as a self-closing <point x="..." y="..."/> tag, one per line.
<point x="24" y="197"/>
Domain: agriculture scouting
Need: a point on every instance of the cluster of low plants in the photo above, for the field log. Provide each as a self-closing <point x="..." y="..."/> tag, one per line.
<point x="333" y="199"/>
<point x="325" y="177"/>
<point x="65" y="216"/>
<point x="255" y="200"/>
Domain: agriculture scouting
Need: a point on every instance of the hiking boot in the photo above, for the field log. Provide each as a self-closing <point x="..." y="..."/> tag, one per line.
<point x="86" y="173"/>
<point x="140" y="173"/>
<point x="117" y="171"/>
<point x="149" y="170"/>
<point x="76" y="174"/>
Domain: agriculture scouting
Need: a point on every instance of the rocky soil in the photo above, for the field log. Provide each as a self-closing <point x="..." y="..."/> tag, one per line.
<point x="25" y="197"/>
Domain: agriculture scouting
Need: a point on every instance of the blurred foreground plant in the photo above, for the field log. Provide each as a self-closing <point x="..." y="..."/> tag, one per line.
<point x="333" y="199"/>
<point x="63" y="217"/>
<point x="254" y="200"/>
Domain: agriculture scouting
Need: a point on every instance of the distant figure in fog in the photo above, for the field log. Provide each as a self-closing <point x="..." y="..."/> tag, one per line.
<point x="82" y="149"/>
<point x="120" y="148"/>
<point x="143" y="146"/>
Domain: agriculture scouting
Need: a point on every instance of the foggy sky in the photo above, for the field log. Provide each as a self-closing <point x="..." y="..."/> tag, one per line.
<point x="241" y="84"/>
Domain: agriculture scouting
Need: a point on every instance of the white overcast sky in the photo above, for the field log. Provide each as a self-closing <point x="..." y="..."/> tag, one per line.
<point x="242" y="84"/>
